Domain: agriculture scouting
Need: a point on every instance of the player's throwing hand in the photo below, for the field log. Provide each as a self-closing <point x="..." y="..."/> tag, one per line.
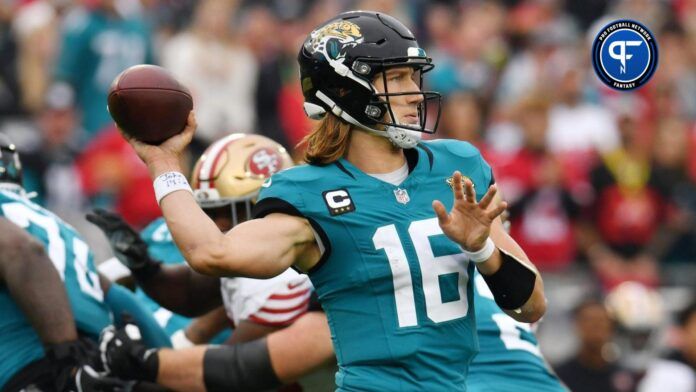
<point x="171" y="148"/>
<point x="469" y="222"/>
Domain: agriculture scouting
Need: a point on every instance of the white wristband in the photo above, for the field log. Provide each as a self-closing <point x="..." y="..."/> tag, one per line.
<point x="483" y="254"/>
<point x="169" y="182"/>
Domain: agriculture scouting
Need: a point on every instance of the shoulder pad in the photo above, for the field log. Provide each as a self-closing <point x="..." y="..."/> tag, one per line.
<point x="457" y="147"/>
<point x="300" y="174"/>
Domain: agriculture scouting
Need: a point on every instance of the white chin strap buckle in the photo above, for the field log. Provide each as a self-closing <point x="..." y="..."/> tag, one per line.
<point x="404" y="138"/>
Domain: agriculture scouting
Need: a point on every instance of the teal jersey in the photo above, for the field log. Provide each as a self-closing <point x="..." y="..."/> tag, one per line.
<point x="95" y="48"/>
<point x="509" y="358"/>
<point x="161" y="246"/>
<point x="72" y="258"/>
<point x="395" y="289"/>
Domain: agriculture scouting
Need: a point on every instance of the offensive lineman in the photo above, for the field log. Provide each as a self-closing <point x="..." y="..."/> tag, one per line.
<point x="63" y="358"/>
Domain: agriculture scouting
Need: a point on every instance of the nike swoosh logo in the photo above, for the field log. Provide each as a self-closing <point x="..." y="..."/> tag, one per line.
<point x="294" y="286"/>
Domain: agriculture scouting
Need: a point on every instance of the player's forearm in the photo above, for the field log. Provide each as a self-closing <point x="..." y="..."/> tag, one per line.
<point x="195" y="234"/>
<point x="182" y="370"/>
<point x="518" y="280"/>
<point x="204" y="328"/>
<point x="534" y="308"/>
<point x="492" y="265"/>
<point x="182" y="290"/>
<point x="201" y="242"/>
<point x="240" y="367"/>
<point x="301" y="348"/>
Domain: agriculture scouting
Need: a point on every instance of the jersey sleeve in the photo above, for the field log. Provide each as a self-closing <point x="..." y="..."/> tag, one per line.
<point x="468" y="156"/>
<point x="278" y="194"/>
<point x="487" y="171"/>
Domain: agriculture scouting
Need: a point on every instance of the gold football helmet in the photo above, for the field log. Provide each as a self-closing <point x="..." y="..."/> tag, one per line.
<point x="232" y="169"/>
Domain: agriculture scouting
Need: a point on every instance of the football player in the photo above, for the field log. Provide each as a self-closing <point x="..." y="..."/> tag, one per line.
<point x="391" y="267"/>
<point x="28" y="312"/>
<point x="40" y="348"/>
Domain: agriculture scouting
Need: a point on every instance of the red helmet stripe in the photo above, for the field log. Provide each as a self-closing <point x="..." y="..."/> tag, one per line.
<point x="207" y="171"/>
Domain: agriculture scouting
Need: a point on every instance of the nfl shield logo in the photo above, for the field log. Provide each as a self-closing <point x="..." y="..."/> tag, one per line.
<point x="401" y="195"/>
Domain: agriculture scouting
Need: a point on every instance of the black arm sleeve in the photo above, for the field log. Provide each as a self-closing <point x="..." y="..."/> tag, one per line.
<point x="239" y="367"/>
<point x="513" y="284"/>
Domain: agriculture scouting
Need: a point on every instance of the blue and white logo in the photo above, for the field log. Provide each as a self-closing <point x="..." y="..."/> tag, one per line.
<point x="624" y="55"/>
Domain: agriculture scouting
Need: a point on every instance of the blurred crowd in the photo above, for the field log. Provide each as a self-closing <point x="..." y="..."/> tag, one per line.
<point x="601" y="184"/>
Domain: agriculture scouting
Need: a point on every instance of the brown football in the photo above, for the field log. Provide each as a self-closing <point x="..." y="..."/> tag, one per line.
<point x="148" y="104"/>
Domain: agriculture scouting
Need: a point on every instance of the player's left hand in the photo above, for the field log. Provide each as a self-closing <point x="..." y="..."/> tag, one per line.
<point x="469" y="222"/>
<point x="126" y="243"/>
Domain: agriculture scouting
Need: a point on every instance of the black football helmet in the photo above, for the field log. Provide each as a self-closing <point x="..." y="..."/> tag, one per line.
<point x="10" y="165"/>
<point x="340" y="59"/>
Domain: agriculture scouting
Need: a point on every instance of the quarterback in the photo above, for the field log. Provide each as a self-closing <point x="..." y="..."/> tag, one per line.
<point x="388" y="228"/>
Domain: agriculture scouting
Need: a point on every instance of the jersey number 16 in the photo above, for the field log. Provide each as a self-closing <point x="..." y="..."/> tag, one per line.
<point x="432" y="268"/>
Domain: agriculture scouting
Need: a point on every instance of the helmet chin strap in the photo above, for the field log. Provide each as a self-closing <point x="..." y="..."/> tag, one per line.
<point x="404" y="138"/>
<point x="400" y="137"/>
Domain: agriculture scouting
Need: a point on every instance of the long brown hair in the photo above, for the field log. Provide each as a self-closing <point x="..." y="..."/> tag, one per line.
<point x="328" y="141"/>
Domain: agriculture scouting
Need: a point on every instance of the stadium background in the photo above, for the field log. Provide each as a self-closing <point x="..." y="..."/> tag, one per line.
<point x="602" y="184"/>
